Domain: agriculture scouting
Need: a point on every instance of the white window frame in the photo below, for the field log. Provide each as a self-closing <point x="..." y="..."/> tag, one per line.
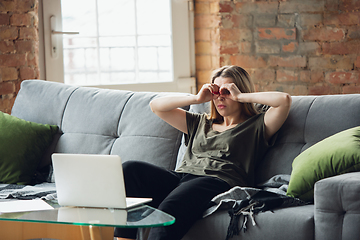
<point x="52" y="69"/>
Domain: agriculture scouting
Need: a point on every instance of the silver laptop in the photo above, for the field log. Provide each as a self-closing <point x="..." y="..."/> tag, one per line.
<point x="91" y="181"/>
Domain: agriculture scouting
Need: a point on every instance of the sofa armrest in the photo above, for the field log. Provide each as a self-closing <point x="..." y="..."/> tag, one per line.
<point x="337" y="207"/>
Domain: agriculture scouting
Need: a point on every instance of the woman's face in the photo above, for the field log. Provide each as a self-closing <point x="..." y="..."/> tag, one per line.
<point x="224" y="105"/>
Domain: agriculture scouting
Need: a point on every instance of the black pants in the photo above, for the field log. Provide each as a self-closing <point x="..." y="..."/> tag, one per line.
<point x="183" y="196"/>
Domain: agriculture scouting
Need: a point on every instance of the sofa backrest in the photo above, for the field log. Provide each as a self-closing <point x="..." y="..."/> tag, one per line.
<point x="311" y="119"/>
<point x="92" y="121"/>
<point x="118" y="122"/>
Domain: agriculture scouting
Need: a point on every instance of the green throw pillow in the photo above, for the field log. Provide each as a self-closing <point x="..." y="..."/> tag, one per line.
<point x="337" y="154"/>
<point x="22" y="145"/>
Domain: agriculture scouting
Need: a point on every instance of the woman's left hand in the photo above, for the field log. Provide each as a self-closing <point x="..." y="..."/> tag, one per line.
<point x="230" y="90"/>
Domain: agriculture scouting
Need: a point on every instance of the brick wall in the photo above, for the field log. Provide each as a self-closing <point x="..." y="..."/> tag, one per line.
<point x="298" y="46"/>
<point x="19" y="47"/>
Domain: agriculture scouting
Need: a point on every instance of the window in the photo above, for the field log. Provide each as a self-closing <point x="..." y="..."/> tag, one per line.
<point x="124" y="44"/>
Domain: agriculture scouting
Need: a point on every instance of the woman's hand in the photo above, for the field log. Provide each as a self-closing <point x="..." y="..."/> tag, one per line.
<point x="208" y="92"/>
<point x="212" y="91"/>
<point x="230" y="90"/>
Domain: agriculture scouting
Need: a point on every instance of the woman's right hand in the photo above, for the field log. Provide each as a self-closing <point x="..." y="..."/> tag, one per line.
<point x="208" y="92"/>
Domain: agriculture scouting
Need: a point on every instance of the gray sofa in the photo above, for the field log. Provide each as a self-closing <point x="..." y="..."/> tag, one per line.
<point x="98" y="121"/>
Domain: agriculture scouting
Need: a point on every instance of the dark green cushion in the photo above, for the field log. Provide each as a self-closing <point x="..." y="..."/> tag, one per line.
<point x="22" y="145"/>
<point x="337" y="154"/>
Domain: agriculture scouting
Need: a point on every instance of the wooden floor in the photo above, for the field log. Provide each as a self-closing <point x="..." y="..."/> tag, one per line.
<point x="10" y="230"/>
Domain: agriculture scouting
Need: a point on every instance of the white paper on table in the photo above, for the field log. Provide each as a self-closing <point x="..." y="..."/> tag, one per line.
<point x="24" y="206"/>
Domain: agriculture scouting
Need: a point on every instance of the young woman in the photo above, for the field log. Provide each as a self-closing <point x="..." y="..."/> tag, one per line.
<point x="223" y="149"/>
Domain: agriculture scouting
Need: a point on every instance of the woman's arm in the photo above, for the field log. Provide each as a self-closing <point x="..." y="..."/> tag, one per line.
<point x="169" y="108"/>
<point x="279" y="103"/>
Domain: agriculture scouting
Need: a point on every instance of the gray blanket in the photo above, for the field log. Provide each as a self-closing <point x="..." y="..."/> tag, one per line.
<point x="227" y="200"/>
<point x="247" y="202"/>
<point x="44" y="191"/>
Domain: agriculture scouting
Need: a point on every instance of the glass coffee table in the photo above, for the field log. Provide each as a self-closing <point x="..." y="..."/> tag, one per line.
<point x="139" y="217"/>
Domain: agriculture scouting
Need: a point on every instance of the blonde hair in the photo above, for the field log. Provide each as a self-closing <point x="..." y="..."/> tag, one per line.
<point x="242" y="80"/>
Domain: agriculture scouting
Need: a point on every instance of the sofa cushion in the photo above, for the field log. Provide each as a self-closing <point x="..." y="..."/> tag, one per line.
<point x="102" y="121"/>
<point x="22" y="145"/>
<point x="337" y="154"/>
<point x="144" y="136"/>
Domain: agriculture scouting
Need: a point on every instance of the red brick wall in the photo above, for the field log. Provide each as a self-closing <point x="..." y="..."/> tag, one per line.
<point x="298" y="46"/>
<point x="19" y="47"/>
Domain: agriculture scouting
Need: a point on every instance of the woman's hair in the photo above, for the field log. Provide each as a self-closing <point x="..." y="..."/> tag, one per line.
<point x="242" y="80"/>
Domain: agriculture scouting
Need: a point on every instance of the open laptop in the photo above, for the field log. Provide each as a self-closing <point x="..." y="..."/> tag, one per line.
<point x="88" y="180"/>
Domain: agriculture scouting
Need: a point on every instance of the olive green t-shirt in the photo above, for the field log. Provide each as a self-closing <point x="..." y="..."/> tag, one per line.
<point x="230" y="155"/>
